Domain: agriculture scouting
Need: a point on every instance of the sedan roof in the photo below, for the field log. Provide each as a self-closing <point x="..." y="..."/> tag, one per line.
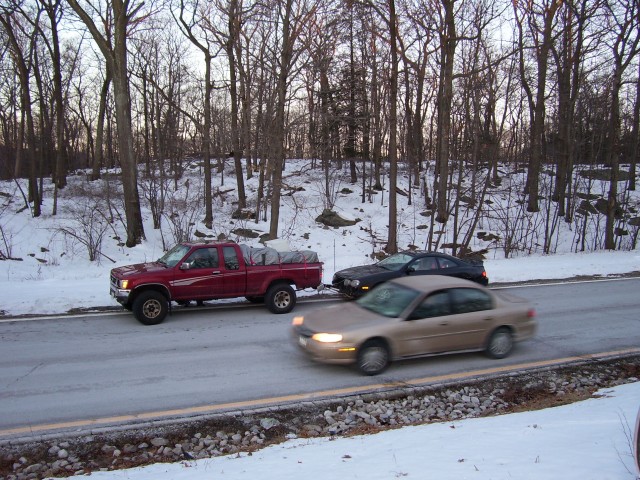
<point x="427" y="283"/>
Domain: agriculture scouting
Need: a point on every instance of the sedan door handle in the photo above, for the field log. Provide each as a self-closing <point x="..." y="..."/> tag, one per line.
<point x="444" y="324"/>
<point x="488" y="319"/>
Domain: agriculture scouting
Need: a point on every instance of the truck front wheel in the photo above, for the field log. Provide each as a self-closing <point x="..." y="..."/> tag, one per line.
<point x="150" y="307"/>
<point x="280" y="298"/>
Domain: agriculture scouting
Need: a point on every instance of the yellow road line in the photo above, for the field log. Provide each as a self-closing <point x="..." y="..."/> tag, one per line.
<point x="263" y="402"/>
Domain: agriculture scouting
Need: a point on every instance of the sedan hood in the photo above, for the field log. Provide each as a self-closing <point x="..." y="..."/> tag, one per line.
<point x="361" y="271"/>
<point x="341" y="317"/>
<point x="129" y="270"/>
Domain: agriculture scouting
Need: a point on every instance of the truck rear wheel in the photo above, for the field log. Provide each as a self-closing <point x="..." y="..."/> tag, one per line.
<point x="280" y="298"/>
<point x="150" y="308"/>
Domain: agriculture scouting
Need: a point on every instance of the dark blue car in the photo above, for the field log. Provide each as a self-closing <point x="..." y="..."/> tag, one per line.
<point x="356" y="281"/>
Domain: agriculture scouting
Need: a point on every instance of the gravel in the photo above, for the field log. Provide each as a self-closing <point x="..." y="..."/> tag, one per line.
<point x="69" y="454"/>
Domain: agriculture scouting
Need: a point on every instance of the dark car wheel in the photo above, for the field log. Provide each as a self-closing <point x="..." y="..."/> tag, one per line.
<point x="150" y="308"/>
<point x="280" y="298"/>
<point x="500" y="343"/>
<point x="373" y="358"/>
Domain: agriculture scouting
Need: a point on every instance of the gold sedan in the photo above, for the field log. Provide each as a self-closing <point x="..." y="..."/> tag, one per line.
<point x="413" y="317"/>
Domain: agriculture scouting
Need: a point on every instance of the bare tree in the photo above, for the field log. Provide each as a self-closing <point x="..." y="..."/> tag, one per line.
<point x="539" y="17"/>
<point x="387" y="13"/>
<point x="228" y="35"/>
<point x="293" y="17"/>
<point x="569" y="54"/>
<point x="623" y="21"/>
<point x="191" y="19"/>
<point x="113" y="45"/>
<point x="22" y="57"/>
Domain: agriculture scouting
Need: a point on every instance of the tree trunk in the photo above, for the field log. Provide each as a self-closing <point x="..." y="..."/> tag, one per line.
<point x="29" y="152"/>
<point x="116" y="58"/>
<point x="392" y="241"/>
<point x="445" y="97"/>
<point x="234" y="33"/>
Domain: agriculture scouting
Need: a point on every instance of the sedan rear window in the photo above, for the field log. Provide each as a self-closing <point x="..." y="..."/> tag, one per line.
<point x="465" y="300"/>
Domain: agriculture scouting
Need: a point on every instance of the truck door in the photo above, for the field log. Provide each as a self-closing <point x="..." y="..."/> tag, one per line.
<point x="234" y="282"/>
<point x="199" y="276"/>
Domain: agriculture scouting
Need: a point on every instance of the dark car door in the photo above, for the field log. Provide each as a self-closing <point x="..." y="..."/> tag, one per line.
<point x="424" y="266"/>
<point x="452" y="268"/>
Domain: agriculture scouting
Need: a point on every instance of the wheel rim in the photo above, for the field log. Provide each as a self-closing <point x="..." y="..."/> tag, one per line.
<point x="152" y="308"/>
<point x="501" y="343"/>
<point x="373" y="359"/>
<point x="282" y="299"/>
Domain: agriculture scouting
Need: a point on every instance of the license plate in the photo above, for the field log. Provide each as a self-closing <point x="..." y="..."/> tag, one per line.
<point x="302" y="341"/>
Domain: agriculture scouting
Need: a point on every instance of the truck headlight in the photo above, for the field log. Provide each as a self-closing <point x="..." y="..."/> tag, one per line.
<point x="124" y="284"/>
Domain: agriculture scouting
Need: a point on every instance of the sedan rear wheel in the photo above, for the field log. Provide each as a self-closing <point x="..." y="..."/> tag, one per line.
<point x="373" y="358"/>
<point x="500" y="344"/>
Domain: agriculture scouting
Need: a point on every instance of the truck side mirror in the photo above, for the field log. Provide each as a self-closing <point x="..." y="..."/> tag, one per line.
<point x="185" y="266"/>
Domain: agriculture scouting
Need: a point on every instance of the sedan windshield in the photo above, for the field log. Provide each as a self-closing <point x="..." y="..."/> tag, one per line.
<point x="395" y="262"/>
<point x="388" y="299"/>
<point x="173" y="256"/>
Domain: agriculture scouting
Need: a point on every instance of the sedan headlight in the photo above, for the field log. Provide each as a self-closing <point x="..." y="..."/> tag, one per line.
<point x="355" y="283"/>
<point x="327" y="337"/>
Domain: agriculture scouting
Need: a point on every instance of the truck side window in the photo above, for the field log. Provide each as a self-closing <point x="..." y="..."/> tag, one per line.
<point x="204" y="258"/>
<point x="230" y="258"/>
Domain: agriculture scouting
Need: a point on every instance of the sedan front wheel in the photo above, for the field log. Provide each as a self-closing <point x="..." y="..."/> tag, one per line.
<point x="373" y="358"/>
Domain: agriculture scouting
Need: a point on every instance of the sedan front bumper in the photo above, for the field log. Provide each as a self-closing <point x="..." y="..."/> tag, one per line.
<point x="338" y="353"/>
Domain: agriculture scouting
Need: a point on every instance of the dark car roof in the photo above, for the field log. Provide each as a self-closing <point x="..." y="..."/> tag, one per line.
<point x="420" y="253"/>
<point x="425" y="253"/>
<point x="426" y="283"/>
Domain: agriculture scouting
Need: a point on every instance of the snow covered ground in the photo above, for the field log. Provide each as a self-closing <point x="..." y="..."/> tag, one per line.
<point x="50" y="274"/>
<point x="589" y="440"/>
<point x="29" y="288"/>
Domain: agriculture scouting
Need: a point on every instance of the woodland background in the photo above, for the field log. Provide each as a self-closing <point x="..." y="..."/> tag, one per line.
<point x="454" y="94"/>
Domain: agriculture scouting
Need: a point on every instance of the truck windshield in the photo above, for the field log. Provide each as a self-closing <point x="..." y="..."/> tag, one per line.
<point x="173" y="256"/>
<point x="395" y="262"/>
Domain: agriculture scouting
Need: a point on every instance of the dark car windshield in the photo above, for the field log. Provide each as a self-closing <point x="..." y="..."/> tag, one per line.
<point x="395" y="262"/>
<point x="173" y="256"/>
<point x="388" y="299"/>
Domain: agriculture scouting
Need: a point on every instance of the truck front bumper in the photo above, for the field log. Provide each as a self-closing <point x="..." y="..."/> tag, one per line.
<point x="120" y="294"/>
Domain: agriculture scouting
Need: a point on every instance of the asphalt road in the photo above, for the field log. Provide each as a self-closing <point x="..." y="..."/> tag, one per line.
<point x="105" y="368"/>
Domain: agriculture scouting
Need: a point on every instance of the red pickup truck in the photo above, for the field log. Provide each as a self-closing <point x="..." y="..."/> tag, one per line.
<point x="209" y="271"/>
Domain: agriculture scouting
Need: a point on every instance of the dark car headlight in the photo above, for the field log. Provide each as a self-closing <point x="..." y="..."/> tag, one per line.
<point x="355" y="283"/>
